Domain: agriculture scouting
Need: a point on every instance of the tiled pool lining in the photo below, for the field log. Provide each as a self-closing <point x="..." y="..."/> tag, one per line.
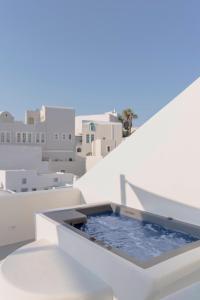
<point x="71" y="217"/>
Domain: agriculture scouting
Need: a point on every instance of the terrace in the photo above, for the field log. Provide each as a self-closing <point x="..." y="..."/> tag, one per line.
<point x="150" y="179"/>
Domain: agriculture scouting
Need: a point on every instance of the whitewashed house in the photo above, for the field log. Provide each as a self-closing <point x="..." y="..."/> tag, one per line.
<point x="28" y="149"/>
<point x="51" y="128"/>
<point x="97" y="136"/>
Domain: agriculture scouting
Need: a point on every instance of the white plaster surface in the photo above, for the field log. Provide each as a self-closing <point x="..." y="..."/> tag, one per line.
<point x="157" y="169"/>
<point x="17" y="221"/>
<point x="42" y="271"/>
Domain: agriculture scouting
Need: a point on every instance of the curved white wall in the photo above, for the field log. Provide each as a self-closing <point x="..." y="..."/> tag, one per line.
<point x="158" y="168"/>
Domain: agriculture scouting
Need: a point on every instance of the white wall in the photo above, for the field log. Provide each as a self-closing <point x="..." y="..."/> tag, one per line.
<point x="31" y="180"/>
<point x="17" y="211"/>
<point x="108" y="133"/>
<point x="13" y="157"/>
<point x="157" y="169"/>
<point x="59" y="121"/>
<point x="77" y="167"/>
<point x="91" y="161"/>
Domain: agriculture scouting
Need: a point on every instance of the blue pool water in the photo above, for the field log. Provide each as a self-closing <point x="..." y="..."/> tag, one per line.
<point x="140" y="239"/>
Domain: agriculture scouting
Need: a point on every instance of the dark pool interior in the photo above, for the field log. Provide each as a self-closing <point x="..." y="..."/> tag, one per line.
<point x="140" y="239"/>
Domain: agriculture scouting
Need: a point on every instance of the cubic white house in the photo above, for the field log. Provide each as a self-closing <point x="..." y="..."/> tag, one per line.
<point x="111" y="116"/>
<point x="52" y="128"/>
<point x="27" y="149"/>
<point x="96" y="136"/>
<point x="128" y="229"/>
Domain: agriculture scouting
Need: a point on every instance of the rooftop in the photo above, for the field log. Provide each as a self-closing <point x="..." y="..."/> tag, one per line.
<point x="155" y="171"/>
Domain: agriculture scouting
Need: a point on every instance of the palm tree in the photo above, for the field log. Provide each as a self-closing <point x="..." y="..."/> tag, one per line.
<point x="127" y="117"/>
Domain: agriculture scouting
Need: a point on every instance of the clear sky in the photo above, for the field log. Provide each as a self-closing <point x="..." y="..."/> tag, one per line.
<point x="95" y="55"/>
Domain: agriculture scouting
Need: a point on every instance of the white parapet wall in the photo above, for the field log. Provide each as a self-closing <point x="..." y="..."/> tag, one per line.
<point x="17" y="211"/>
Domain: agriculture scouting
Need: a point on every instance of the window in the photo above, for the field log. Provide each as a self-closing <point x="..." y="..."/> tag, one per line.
<point x="18" y="137"/>
<point x="89" y="154"/>
<point x="56" y="136"/>
<point x="70" y="136"/>
<point x="29" y="137"/>
<point x="92" y="137"/>
<point x="34" y="189"/>
<point x="78" y="149"/>
<point x="37" y="138"/>
<point x="92" y="127"/>
<point x="55" y="179"/>
<point x="42" y="138"/>
<point x="24" y="180"/>
<point x="70" y="159"/>
<point x="63" y="136"/>
<point x="24" y="137"/>
<point x="108" y="148"/>
<point x="2" y="137"/>
<point x="24" y="190"/>
<point x="87" y="138"/>
<point x="7" y="137"/>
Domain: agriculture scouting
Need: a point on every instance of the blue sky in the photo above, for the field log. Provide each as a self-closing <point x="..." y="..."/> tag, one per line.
<point x="96" y="55"/>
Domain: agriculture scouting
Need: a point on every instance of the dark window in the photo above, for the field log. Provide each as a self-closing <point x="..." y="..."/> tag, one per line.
<point x="78" y="149"/>
<point x="92" y="127"/>
<point x="89" y="154"/>
<point x="87" y="138"/>
<point x="24" y="180"/>
<point x="92" y="137"/>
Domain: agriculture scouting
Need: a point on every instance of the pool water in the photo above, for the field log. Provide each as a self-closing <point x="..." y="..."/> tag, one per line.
<point x="140" y="239"/>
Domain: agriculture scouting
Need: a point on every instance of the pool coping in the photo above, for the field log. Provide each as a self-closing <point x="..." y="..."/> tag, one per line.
<point x="72" y="216"/>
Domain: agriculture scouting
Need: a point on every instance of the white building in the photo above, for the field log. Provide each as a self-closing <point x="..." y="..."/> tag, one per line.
<point x="96" y="136"/>
<point x="105" y="117"/>
<point x="51" y="128"/>
<point x="23" y="170"/>
<point x="99" y="138"/>
<point x="28" y="149"/>
<point x="31" y="180"/>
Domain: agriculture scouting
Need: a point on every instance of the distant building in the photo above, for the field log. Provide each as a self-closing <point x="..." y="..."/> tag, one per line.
<point x="105" y="117"/>
<point x="51" y="128"/>
<point x="99" y="138"/>
<point x="96" y="136"/>
<point x="31" y="180"/>
<point x="45" y="144"/>
<point x="29" y="149"/>
<point x="22" y="170"/>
